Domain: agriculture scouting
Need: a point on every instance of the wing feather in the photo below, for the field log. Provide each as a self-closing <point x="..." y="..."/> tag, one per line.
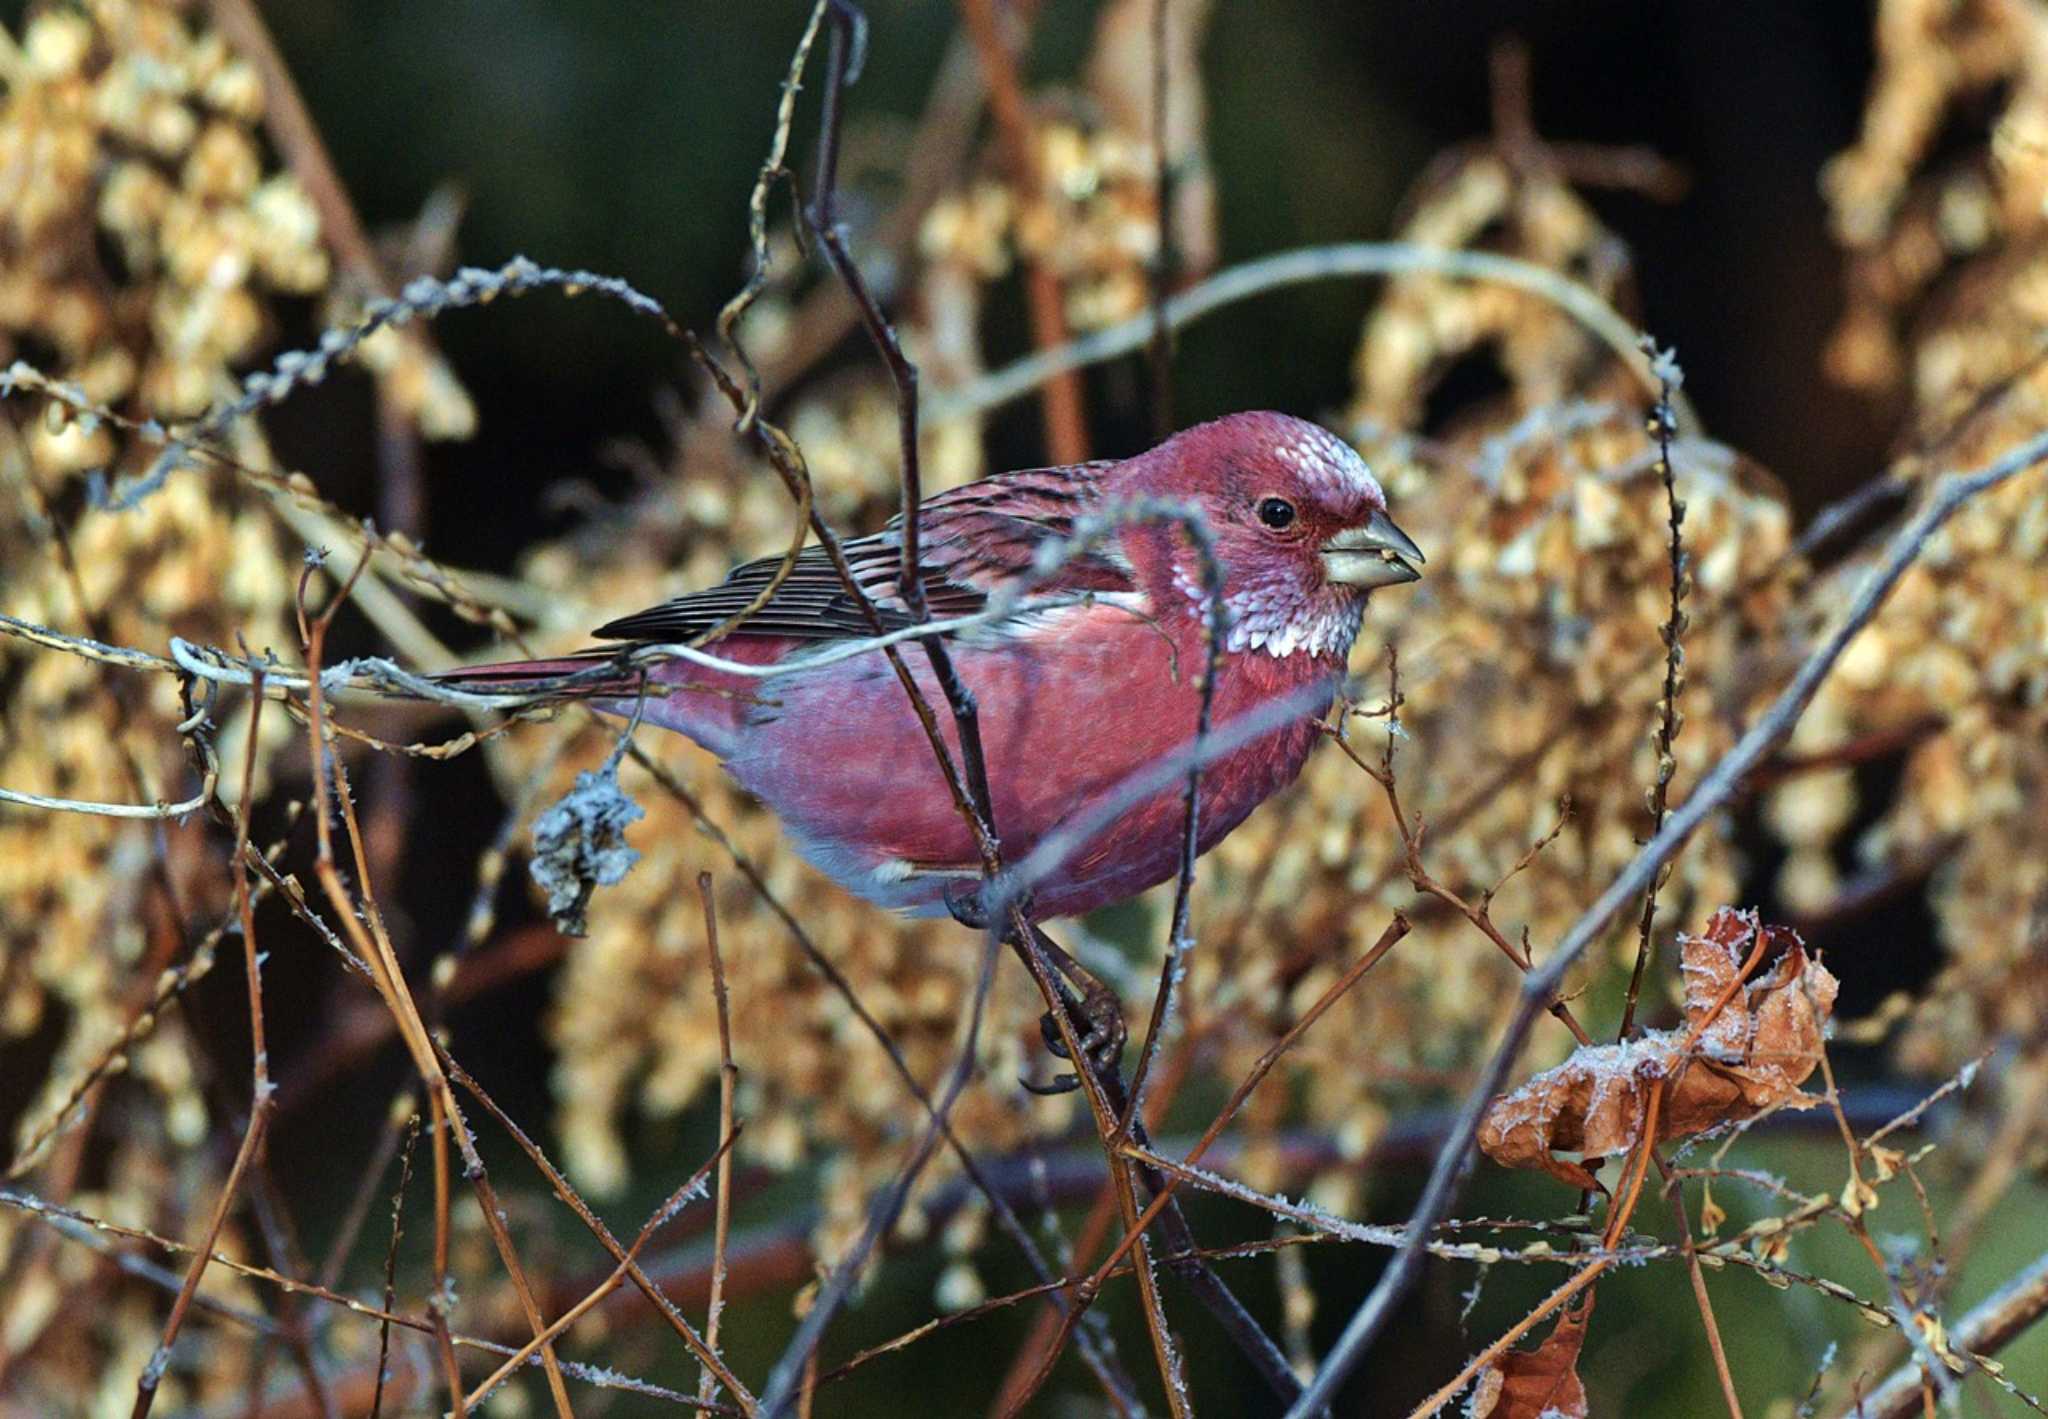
<point x="972" y="540"/>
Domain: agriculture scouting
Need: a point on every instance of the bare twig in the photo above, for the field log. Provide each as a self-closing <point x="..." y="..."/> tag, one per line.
<point x="1179" y="941"/>
<point x="1708" y="1323"/>
<point x="1984" y="1331"/>
<point x="1479" y="913"/>
<point x="848" y="36"/>
<point x="111" y="810"/>
<point x="692" y="1187"/>
<point x="728" y="1081"/>
<point x="634" y="1271"/>
<point x="412" y="1136"/>
<point x="1663" y="428"/>
<point x="1159" y="350"/>
<point x="1293" y="268"/>
<point x="1066" y="428"/>
<point x="373" y="948"/>
<point x="1106" y="1113"/>
<point x="261" y="1091"/>
<point x="1448" y="1391"/>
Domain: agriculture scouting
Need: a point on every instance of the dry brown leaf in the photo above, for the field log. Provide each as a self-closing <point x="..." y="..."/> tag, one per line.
<point x="1539" y="1383"/>
<point x="1751" y="1054"/>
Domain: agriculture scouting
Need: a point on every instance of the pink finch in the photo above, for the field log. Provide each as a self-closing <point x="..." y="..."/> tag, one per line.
<point x="1074" y="699"/>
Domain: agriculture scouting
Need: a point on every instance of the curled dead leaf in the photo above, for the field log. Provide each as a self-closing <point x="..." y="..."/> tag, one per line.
<point x="1535" y="1384"/>
<point x="1753" y="1043"/>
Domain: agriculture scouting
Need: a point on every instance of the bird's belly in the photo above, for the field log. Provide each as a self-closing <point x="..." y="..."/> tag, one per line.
<point x="843" y="760"/>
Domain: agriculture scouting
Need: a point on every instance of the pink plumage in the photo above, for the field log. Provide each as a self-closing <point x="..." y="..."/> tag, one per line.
<point x="1074" y="700"/>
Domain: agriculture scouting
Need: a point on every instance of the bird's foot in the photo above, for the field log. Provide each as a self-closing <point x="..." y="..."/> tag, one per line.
<point x="1103" y="1036"/>
<point x="967" y="902"/>
<point x="966" y="905"/>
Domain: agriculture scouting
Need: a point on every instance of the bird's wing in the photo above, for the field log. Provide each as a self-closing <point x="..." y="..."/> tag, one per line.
<point x="972" y="540"/>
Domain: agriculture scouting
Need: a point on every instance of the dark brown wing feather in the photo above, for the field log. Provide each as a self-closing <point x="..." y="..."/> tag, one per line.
<point x="973" y="540"/>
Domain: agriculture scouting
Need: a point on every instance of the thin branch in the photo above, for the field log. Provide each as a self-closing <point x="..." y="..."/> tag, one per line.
<point x="84" y="647"/>
<point x="1984" y="1331"/>
<point x="1106" y="1113"/>
<point x="1165" y="256"/>
<point x="849" y="29"/>
<point x="412" y="1136"/>
<point x="1293" y="268"/>
<point x="634" y="1271"/>
<point x="111" y="810"/>
<point x="262" y="1093"/>
<point x="1066" y="426"/>
<point x="366" y="933"/>
<point x="1708" y="1323"/>
<point x="1663" y="427"/>
<point x="692" y="1187"/>
<point x="728" y="1081"/>
<point x="1448" y="1391"/>
<point x="1179" y="940"/>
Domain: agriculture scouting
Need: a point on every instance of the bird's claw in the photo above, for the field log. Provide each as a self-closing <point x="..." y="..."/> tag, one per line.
<point x="1060" y="1084"/>
<point x="1102" y="1041"/>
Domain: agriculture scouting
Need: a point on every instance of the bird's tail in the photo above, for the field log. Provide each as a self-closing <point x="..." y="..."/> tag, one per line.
<point x="592" y="675"/>
<point x="707" y="706"/>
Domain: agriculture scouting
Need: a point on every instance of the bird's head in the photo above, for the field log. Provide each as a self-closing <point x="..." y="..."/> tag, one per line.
<point x="1300" y="523"/>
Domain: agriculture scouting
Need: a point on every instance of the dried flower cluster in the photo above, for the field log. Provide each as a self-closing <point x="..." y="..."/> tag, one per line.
<point x="141" y="235"/>
<point x="1909" y="217"/>
<point x="124" y="124"/>
<point x="1954" y="261"/>
<point x="1422" y="324"/>
<point x="144" y="234"/>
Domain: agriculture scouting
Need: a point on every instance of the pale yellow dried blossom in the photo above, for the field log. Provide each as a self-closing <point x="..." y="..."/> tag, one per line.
<point x="1423" y="323"/>
<point x="142" y="237"/>
<point x="1094" y="226"/>
<point x="1904" y="217"/>
<point x="1956" y="662"/>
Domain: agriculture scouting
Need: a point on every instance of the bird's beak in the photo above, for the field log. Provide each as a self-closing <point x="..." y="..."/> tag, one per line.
<point x="1375" y="554"/>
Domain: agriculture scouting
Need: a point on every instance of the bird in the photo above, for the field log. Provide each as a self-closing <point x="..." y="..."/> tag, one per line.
<point x="1095" y="676"/>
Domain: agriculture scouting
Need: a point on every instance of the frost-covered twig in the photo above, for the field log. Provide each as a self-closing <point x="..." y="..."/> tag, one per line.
<point x="110" y="810"/>
<point x="1663" y="419"/>
<point x="1983" y="1332"/>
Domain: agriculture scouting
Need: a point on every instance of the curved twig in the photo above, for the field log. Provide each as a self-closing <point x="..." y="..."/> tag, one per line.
<point x="1293" y="268"/>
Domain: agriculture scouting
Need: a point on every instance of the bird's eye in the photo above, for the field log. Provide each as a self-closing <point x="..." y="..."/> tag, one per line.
<point x="1276" y="513"/>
